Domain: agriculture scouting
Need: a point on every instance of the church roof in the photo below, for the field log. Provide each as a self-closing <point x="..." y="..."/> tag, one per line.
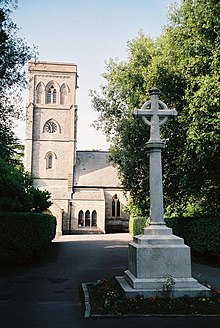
<point x="93" y="169"/>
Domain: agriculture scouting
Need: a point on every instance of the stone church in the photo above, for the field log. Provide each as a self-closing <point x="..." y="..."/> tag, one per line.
<point x="86" y="192"/>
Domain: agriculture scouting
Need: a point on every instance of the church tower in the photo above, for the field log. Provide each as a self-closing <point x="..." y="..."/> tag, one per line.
<point x="50" y="140"/>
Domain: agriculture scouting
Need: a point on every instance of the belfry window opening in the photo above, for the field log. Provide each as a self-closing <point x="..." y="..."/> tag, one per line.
<point x="51" y="95"/>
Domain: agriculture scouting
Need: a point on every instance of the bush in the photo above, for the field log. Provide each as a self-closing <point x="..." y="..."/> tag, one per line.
<point x="25" y="236"/>
<point x="137" y="224"/>
<point x="201" y="234"/>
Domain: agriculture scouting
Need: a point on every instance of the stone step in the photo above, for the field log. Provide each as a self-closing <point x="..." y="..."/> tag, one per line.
<point x="158" y="240"/>
<point x="85" y="231"/>
<point x="186" y="287"/>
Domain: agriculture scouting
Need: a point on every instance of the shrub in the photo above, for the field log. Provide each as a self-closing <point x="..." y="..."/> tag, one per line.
<point x="25" y="236"/>
<point x="137" y="224"/>
<point x="201" y="234"/>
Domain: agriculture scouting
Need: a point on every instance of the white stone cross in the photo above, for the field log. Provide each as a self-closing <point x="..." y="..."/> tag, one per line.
<point x="157" y="118"/>
<point x="154" y="113"/>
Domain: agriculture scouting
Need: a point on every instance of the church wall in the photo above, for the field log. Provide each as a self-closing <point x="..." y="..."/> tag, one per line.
<point x="113" y="221"/>
<point x="57" y="188"/>
<point x="57" y="209"/>
<point x="28" y="137"/>
<point x="61" y="164"/>
<point x="28" y="155"/>
<point x="59" y="197"/>
<point x="60" y="116"/>
<point x="109" y="194"/>
<point x="97" y="205"/>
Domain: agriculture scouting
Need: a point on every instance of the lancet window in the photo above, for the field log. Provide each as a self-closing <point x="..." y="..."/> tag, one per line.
<point x="116" y="207"/>
<point x="87" y="219"/>
<point x="50" y="160"/>
<point x="94" y="218"/>
<point x="81" y="219"/>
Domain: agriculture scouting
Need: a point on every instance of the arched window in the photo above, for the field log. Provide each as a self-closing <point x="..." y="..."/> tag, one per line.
<point x="50" y="157"/>
<point x="113" y="208"/>
<point x="87" y="219"/>
<point x="51" y="95"/>
<point x="116" y="206"/>
<point x="94" y="219"/>
<point x="39" y="93"/>
<point x="50" y="161"/>
<point x="63" y="94"/>
<point x="81" y="219"/>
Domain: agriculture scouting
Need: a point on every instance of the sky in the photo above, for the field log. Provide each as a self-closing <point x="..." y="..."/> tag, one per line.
<point x="87" y="33"/>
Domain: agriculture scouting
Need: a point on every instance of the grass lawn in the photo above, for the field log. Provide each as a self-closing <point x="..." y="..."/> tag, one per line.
<point x="106" y="298"/>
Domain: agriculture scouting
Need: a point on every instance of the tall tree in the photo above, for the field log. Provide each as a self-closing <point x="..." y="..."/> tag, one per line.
<point x="16" y="192"/>
<point x="193" y="47"/>
<point x="14" y="54"/>
<point x="184" y="64"/>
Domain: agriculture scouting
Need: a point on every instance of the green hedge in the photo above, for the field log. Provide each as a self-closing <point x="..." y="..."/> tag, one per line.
<point x="201" y="234"/>
<point x="137" y="224"/>
<point x="25" y="236"/>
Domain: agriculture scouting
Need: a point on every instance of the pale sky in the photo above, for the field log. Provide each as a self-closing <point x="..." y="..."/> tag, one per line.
<point x="87" y="33"/>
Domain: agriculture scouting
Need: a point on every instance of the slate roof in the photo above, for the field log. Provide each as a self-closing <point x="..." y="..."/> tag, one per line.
<point x="93" y="169"/>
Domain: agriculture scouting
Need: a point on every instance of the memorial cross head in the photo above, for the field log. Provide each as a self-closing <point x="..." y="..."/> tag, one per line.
<point x="158" y="113"/>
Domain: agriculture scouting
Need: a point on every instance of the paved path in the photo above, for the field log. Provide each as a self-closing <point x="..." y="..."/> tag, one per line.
<point x="47" y="294"/>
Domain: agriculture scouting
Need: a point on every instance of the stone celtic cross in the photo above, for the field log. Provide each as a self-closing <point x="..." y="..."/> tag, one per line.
<point x="154" y="113"/>
<point x="155" y="117"/>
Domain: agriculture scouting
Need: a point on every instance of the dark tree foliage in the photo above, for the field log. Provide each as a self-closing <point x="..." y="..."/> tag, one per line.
<point x="17" y="193"/>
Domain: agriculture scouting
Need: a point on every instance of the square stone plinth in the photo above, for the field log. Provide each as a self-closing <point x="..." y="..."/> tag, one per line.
<point x="155" y="255"/>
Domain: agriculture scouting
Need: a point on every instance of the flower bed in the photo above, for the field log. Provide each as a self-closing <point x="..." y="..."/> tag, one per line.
<point x="106" y="298"/>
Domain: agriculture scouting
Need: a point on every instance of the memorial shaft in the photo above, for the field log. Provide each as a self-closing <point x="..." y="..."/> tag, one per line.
<point x="158" y="116"/>
<point x="156" y="190"/>
<point x="155" y="146"/>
